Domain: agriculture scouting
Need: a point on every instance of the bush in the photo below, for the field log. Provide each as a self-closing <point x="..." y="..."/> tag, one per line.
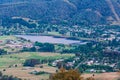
<point x="31" y="62"/>
<point x="40" y="73"/>
<point x="66" y="75"/>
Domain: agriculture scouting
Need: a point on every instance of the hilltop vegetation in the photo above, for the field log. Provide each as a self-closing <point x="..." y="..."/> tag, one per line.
<point x="70" y="12"/>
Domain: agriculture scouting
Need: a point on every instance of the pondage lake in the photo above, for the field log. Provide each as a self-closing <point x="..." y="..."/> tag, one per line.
<point x="48" y="39"/>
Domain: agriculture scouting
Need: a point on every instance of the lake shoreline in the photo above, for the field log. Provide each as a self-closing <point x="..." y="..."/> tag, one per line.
<point x="55" y="36"/>
<point x="50" y="39"/>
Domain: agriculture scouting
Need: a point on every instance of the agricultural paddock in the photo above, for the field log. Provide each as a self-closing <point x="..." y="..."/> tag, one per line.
<point x="24" y="72"/>
<point x="104" y="76"/>
<point x="11" y="59"/>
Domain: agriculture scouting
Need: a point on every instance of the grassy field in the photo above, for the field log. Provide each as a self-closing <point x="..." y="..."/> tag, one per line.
<point x="7" y="37"/>
<point x="54" y="33"/>
<point x="104" y="76"/>
<point x="4" y="38"/>
<point x="11" y="59"/>
<point x="24" y="74"/>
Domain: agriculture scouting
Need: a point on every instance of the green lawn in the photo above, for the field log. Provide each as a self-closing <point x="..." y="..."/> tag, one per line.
<point x="28" y="55"/>
<point x="11" y="59"/>
<point x="4" y="38"/>
<point x="7" y="61"/>
<point x="54" y="33"/>
<point x="7" y="37"/>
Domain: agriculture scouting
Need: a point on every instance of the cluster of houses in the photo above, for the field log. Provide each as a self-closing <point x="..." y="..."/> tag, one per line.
<point x="92" y="62"/>
<point x="86" y="62"/>
<point x="95" y="71"/>
<point x="54" y="63"/>
<point x="17" y="44"/>
<point x="68" y="64"/>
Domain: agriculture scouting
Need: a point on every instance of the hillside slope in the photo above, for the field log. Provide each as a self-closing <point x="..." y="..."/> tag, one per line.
<point x="82" y="12"/>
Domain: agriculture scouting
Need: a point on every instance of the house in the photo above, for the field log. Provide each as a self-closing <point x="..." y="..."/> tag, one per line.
<point x="69" y="64"/>
<point x="90" y="62"/>
<point x="28" y="45"/>
<point x="14" y="46"/>
<point x="56" y="62"/>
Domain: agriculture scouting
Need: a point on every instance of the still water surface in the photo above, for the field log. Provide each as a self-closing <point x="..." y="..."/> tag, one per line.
<point x="48" y="39"/>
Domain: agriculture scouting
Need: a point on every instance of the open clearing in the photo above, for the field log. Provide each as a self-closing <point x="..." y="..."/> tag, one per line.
<point x="11" y="59"/>
<point x="24" y="74"/>
<point x="104" y="76"/>
<point x="7" y="37"/>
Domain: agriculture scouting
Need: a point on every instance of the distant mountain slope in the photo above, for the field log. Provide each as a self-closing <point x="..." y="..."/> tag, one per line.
<point x="83" y="12"/>
<point x="10" y="1"/>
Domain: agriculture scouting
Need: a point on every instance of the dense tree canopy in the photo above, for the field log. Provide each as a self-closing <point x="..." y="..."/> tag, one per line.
<point x="2" y="52"/>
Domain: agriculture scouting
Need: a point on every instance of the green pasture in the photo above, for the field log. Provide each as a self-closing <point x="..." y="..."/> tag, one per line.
<point x="11" y="59"/>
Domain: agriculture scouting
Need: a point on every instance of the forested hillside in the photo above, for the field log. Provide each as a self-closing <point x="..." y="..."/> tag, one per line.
<point x="82" y="12"/>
